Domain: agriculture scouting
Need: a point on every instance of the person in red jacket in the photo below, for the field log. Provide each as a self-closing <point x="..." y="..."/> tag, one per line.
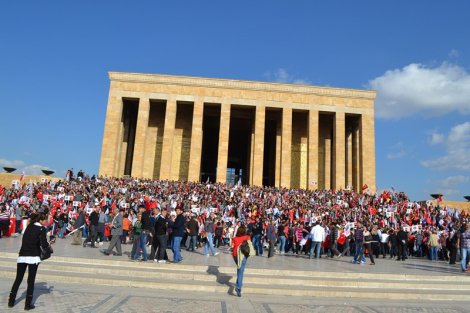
<point x="241" y="262"/>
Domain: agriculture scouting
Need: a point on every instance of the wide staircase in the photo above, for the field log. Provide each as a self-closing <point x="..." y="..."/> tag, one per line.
<point x="123" y="273"/>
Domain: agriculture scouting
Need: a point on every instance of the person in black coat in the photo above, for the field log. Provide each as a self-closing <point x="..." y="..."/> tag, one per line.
<point x="34" y="238"/>
<point x="161" y="228"/>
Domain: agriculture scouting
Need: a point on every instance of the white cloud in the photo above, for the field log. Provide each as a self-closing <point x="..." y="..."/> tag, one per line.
<point x="450" y="185"/>
<point x="21" y="166"/>
<point x="282" y="76"/>
<point x="437" y="138"/>
<point x="416" y="88"/>
<point x="457" y="150"/>
<point x="398" y="151"/>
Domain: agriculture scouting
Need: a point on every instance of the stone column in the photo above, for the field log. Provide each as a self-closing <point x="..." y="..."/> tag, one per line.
<point x="260" y="121"/>
<point x="277" y="169"/>
<point x="356" y="181"/>
<point x="111" y="137"/>
<point x="313" y="130"/>
<point x="222" y="156"/>
<point x="140" y="136"/>
<point x="339" y="151"/>
<point x="286" y="147"/>
<point x="368" y="150"/>
<point x="168" y="132"/>
<point x="196" y="142"/>
<point x="349" y="157"/>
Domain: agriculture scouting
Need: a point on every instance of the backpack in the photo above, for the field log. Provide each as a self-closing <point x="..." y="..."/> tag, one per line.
<point x="246" y="248"/>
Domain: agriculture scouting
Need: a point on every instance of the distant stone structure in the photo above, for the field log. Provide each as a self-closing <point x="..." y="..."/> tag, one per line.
<point x="258" y="133"/>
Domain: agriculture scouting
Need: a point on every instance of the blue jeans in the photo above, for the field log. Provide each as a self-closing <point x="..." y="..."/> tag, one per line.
<point x="141" y="245"/>
<point x="359" y="252"/>
<point x="465" y="256"/>
<point x="434" y="255"/>
<point x="281" y="246"/>
<point x="240" y="272"/>
<point x="257" y="244"/>
<point x="176" y="249"/>
<point x="316" y="245"/>
<point x="192" y="243"/>
<point x="209" y="246"/>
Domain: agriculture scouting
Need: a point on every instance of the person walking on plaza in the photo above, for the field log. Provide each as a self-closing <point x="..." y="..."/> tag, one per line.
<point x="29" y="257"/>
<point x="433" y="244"/>
<point x="116" y="232"/>
<point x="239" y="258"/>
<point x="334" y="236"/>
<point x="93" y="225"/>
<point x="368" y="240"/>
<point x="318" y="236"/>
<point x="139" y="240"/>
<point x="464" y="243"/>
<point x="161" y="228"/>
<point x="402" y="239"/>
<point x="78" y="225"/>
<point x="271" y="237"/>
<point x="209" y="228"/>
<point x="178" y="231"/>
<point x="192" y="227"/>
<point x="358" y="241"/>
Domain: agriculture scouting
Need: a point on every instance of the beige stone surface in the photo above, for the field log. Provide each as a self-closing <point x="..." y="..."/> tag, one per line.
<point x="313" y="129"/>
<point x="111" y="137"/>
<point x="168" y="137"/>
<point x="258" y="147"/>
<point x="368" y="151"/>
<point x="140" y="136"/>
<point x="339" y="151"/>
<point x="196" y="142"/>
<point x="164" y="152"/>
<point x="286" y="144"/>
<point x="223" y="142"/>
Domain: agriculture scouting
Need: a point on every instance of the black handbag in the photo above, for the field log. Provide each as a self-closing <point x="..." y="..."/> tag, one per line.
<point x="46" y="253"/>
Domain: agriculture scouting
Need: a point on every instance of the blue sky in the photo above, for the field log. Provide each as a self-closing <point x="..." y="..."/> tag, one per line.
<point x="55" y="55"/>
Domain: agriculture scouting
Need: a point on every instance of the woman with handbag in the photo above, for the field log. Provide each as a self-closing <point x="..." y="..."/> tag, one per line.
<point x="240" y="257"/>
<point x="34" y="249"/>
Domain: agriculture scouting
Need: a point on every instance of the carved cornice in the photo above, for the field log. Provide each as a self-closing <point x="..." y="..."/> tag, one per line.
<point x="240" y="84"/>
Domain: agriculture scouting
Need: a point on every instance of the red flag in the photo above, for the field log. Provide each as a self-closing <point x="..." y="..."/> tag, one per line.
<point x="439" y="199"/>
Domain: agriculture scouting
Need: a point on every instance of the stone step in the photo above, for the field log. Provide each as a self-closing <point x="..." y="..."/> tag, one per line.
<point x="124" y="262"/>
<point x="249" y="288"/>
<point x="162" y="271"/>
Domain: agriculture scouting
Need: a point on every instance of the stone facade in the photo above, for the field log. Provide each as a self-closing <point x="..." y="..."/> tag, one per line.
<point x="284" y="135"/>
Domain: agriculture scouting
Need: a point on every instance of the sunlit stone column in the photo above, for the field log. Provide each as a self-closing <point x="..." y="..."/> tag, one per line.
<point x="312" y="181"/>
<point x="286" y="147"/>
<point x="339" y="151"/>
<point x="169" y="129"/>
<point x="224" y="132"/>
<point x="196" y="142"/>
<point x="259" y="145"/>
<point x="109" y="161"/>
<point x="140" y="136"/>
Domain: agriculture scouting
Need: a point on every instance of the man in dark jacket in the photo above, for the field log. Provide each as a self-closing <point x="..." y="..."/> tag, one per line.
<point x="178" y="231"/>
<point x="271" y="237"/>
<point x="79" y="222"/>
<point x="402" y="239"/>
<point x="192" y="229"/>
<point x="161" y="229"/>
<point x="93" y="225"/>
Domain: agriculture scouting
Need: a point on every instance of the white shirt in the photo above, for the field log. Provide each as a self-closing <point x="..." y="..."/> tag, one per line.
<point x="318" y="233"/>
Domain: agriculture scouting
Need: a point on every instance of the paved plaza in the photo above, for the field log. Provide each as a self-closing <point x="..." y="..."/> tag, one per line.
<point x="64" y="297"/>
<point x="58" y="297"/>
<point x="412" y="266"/>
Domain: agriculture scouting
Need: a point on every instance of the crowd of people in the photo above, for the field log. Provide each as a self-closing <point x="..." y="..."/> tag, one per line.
<point x="171" y="214"/>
